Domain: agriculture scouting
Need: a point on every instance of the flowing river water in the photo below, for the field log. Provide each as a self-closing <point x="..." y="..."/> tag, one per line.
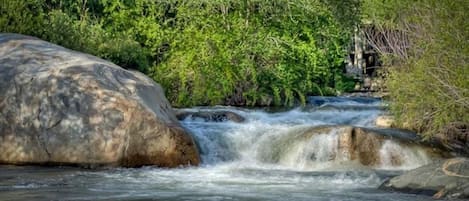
<point x="253" y="160"/>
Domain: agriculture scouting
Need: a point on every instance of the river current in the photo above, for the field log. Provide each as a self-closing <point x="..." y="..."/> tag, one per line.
<point x="252" y="160"/>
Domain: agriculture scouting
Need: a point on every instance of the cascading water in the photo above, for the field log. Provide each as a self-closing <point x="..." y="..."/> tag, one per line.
<point x="271" y="156"/>
<point x="406" y="157"/>
<point x="277" y="139"/>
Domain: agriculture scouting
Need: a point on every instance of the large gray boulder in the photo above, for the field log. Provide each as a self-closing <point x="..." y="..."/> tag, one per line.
<point x="59" y="106"/>
<point x="442" y="179"/>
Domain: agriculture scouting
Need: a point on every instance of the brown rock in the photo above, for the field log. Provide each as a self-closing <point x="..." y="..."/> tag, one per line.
<point x="346" y="143"/>
<point x="59" y="106"/>
<point x="364" y="144"/>
<point x="353" y="143"/>
<point x="384" y="121"/>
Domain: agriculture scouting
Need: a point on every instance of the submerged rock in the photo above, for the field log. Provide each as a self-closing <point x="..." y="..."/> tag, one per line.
<point x="378" y="148"/>
<point x="442" y="179"/>
<point x="58" y="106"/>
<point x="211" y="116"/>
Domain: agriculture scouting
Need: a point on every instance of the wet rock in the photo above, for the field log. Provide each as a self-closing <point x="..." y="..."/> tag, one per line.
<point x="366" y="146"/>
<point x="210" y="116"/>
<point x="369" y="146"/>
<point x="442" y="179"/>
<point x="58" y="106"/>
<point x="384" y="121"/>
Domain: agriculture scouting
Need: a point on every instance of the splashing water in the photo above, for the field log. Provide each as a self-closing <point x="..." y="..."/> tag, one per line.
<point x="270" y="156"/>
<point x="278" y="140"/>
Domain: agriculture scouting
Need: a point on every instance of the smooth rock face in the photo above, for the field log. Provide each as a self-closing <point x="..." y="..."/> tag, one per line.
<point x="442" y="179"/>
<point x="58" y="106"/>
<point x="365" y="144"/>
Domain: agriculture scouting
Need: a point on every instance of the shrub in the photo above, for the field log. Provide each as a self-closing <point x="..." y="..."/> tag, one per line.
<point x="205" y="52"/>
<point x="249" y="53"/>
<point x="429" y="84"/>
<point x="18" y="16"/>
<point x="76" y="31"/>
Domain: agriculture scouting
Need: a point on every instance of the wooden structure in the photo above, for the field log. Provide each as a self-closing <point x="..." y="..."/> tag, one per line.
<point x="363" y="58"/>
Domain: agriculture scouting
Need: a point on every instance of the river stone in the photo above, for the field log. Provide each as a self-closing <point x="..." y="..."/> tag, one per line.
<point x="364" y="144"/>
<point x="384" y="121"/>
<point x="442" y="179"/>
<point x="357" y="144"/>
<point x="59" y="106"/>
<point x="210" y="116"/>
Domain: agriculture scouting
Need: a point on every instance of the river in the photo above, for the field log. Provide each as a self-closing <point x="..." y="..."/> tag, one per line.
<point x="253" y="160"/>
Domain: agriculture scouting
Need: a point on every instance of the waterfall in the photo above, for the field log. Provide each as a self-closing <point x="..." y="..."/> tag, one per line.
<point x="394" y="156"/>
<point x="281" y="139"/>
<point x="316" y="152"/>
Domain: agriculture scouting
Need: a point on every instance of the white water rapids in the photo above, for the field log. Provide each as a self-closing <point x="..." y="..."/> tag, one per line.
<point x="259" y="159"/>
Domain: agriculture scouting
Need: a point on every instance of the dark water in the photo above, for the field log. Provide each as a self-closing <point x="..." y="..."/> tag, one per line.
<point x="241" y="161"/>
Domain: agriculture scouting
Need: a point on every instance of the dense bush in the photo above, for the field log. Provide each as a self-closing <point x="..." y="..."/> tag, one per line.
<point x="206" y="52"/>
<point x="429" y="84"/>
<point x="21" y="16"/>
<point x="64" y="23"/>
<point x="246" y="52"/>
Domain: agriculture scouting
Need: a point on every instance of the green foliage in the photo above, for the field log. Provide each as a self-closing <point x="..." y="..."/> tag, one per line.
<point x="347" y="12"/>
<point x="388" y="13"/>
<point x="69" y="24"/>
<point x="17" y="16"/>
<point x="429" y="88"/>
<point x="248" y="52"/>
<point x="203" y="52"/>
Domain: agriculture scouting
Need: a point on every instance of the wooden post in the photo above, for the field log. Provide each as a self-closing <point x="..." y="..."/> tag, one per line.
<point x="359" y="62"/>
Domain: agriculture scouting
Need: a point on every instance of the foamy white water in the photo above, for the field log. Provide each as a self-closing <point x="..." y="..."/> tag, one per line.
<point x="263" y="158"/>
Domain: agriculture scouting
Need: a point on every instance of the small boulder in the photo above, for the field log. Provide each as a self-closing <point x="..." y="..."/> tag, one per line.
<point x="211" y="116"/>
<point x="384" y="121"/>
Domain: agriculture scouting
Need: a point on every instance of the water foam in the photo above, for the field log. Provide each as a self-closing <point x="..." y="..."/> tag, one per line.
<point x="268" y="157"/>
<point x="275" y="140"/>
